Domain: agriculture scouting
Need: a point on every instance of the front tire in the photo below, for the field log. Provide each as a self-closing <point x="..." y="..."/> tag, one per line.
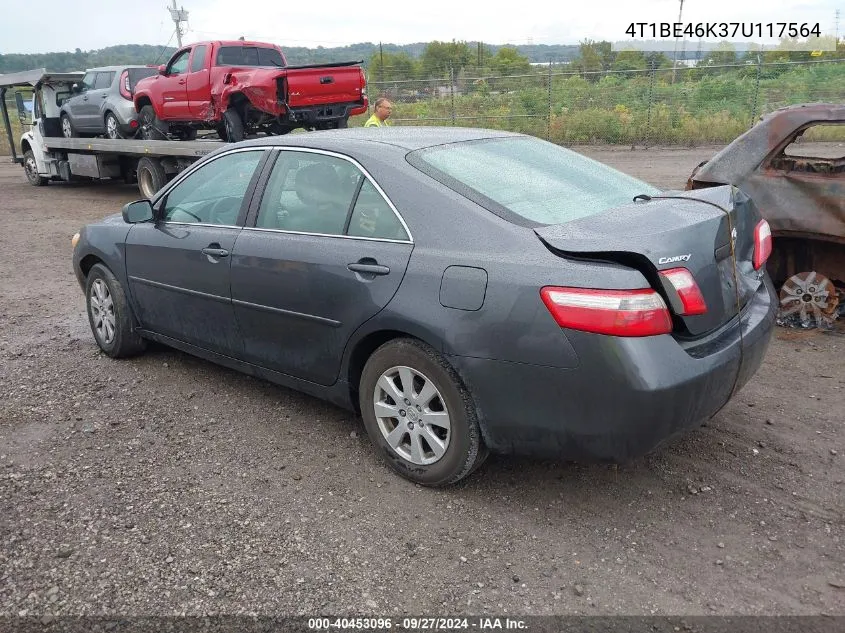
<point x="109" y="315"/>
<point x="67" y="127"/>
<point x="30" y="167"/>
<point x="418" y="414"/>
<point x="151" y="127"/>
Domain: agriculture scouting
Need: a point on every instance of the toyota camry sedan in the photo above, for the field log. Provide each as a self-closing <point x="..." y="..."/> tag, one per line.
<point x="465" y="291"/>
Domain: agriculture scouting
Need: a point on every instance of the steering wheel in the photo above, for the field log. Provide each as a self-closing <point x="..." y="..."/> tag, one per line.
<point x="186" y="212"/>
<point x="215" y="211"/>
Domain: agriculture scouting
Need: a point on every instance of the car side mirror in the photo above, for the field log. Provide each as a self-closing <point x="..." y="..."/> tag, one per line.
<point x="138" y="211"/>
<point x="162" y="69"/>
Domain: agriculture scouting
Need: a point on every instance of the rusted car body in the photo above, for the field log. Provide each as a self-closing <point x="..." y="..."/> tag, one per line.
<point x="801" y="196"/>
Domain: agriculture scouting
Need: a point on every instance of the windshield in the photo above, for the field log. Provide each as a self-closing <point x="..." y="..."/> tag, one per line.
<point x="529" y="178"/>
<point x="249" y="56"/>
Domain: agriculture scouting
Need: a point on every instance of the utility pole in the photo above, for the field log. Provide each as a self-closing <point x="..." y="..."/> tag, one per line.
<point x="836" y="42"/>
<point x="675" y="61"/>
<point x="179" y="16"/>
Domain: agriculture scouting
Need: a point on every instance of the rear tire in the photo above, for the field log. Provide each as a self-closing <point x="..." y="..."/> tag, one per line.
<point x="112" y="126"/>
<point x="233" y="126"/>
<point x="30" y="167"/>
<point x="427" y="371"/>
<point x="151" y="176"/>
<point x="109" y="316"/>
<point x="151" y="127"/>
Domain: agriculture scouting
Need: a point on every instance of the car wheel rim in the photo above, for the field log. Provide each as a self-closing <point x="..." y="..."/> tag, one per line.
<point x="412" y="415"/>
<point x="102" y="311"/>
<point x="31" y="169"/>
<point x="66" y="127"/>
<point x="145" y="183"/>
<point x="111" y="127"/>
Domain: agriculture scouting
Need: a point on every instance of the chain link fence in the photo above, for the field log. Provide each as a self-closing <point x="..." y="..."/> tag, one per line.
<point x="684" y="106"/>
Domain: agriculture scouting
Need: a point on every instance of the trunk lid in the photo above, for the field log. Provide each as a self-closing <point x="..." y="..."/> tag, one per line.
<point x="686" y="231"/>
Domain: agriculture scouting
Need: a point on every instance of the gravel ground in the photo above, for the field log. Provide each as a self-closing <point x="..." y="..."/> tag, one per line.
<point x="168" y="485"/>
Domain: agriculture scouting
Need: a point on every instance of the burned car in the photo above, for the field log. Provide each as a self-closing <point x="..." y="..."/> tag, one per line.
<point x="792" y="164"/>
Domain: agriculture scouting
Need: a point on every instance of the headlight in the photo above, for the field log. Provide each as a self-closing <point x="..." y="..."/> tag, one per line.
<point x="74" y="240"/>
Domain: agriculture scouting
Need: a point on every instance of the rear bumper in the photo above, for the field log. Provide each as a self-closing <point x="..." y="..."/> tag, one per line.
<point x="627" y="395"/>
<point x="313" y="115"/>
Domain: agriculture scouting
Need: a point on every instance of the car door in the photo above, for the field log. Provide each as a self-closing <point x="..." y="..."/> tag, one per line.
<point x="96" y="98"/>
<point x="174" y="87"/>
<point x="178" y="266"/>
<point x="198" y="81"/>
<point x="326" y="252"/>
<point x="79" y="103"/>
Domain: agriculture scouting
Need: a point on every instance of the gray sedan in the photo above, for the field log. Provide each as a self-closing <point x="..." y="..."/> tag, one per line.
<point x="465" y="291"/>
<point x="102" y="103"/>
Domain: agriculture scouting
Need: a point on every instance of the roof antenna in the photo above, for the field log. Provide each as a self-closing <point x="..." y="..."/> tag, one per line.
<point x="241" y="38"/>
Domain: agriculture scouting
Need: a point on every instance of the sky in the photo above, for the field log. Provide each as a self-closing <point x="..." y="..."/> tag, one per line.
<point x="94" y="24"/>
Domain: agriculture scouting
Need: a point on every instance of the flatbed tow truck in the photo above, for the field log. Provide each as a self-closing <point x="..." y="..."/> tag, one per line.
<point x="47" y="156"/>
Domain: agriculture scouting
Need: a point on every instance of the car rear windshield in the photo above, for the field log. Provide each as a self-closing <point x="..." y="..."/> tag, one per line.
<point x="528" y="180"/>
<point x="248" y="56"/>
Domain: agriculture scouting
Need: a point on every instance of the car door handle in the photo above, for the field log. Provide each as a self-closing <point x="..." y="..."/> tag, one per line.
<point x="181" y="82"/>
<point x="85" y="98"/>
<point x="105" y="96"/>
<point x="215" y="252"/>
<point x="368" y="269"/>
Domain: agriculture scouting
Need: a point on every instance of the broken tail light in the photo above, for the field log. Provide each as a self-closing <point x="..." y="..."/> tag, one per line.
<point x="762" y="243"/>
<point x="615" y="312"/>
<point x="692" y="301"/>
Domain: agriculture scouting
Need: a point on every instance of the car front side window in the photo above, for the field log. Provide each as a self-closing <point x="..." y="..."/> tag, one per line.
<point x="87" y="82"/>
<point x="180" y="63"/>
<point x="214" y="193"/>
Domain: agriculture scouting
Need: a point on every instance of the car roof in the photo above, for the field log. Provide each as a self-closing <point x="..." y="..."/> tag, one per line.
<point x="408" y="137"/>
<point x="113" y="68"/>
<point x="737" y="160"/>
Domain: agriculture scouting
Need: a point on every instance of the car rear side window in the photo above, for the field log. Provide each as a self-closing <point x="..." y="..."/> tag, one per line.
<point x="249" y="56"/>
<point x="198" y="60"/>
<point x="528" y="180"/>
<point x="373" y="217"/>
<point x="309" y="193"/>
<point x="213" y="194"/>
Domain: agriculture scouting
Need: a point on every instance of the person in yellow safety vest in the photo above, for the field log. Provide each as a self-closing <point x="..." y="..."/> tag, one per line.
<point x="382" y="111"/>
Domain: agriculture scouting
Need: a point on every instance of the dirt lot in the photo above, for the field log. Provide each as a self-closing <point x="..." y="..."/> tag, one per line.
<point x="167" y="485"/>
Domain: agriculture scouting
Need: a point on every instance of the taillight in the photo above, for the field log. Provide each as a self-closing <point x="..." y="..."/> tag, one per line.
<point x="615" y="312"/>
<point x="684" y="284"/>
<point x="762" y="243"/>
<point x="124" y="85"/>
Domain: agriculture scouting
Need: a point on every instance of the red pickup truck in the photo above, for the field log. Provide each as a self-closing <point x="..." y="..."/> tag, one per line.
<point x="240" y="87"/>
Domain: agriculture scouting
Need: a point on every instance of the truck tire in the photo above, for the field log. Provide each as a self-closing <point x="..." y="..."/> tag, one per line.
<point x="151" y="176"/>
<point x="152" y="128"/>
<point x="233" y="126"/>
<point x="31" y="169"/>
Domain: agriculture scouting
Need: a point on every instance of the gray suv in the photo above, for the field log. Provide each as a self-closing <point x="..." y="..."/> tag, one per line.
<point x="102" y="103"/>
